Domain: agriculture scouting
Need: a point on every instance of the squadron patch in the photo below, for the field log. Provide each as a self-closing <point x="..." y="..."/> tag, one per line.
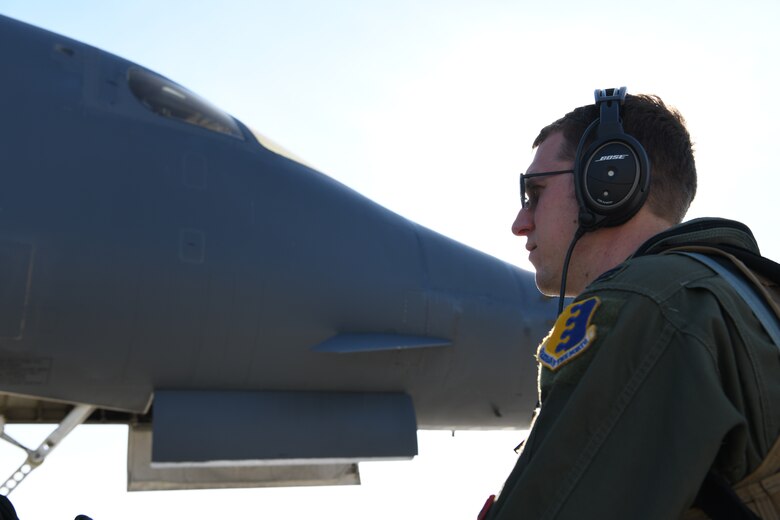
<point x="571" y="335"/>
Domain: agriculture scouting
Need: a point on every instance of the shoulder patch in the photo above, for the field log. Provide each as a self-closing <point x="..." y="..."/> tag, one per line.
<point x="571" y="335"/>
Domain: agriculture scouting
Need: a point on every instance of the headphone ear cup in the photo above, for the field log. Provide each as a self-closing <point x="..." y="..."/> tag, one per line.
<point x="614" y="180"/>
<point x="611" y="176"/>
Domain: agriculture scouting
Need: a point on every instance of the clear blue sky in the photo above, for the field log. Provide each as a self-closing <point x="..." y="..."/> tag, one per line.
<point x="428" y="108"/>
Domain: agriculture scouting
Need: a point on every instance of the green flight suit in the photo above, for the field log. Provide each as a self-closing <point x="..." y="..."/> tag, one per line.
<point x="674" y="375"/>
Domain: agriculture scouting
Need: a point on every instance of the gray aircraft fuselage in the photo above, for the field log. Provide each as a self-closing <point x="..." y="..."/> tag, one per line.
<point x="149" y="243"/>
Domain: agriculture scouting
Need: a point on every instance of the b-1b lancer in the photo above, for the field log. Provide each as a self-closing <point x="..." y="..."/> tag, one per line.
<point x="253" y="321"/>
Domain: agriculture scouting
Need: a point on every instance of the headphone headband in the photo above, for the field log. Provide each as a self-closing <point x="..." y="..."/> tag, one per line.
<point x="609" y="102"/>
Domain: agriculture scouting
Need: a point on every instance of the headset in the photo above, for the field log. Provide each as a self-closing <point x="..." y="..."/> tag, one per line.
<point x="611" y="176"/>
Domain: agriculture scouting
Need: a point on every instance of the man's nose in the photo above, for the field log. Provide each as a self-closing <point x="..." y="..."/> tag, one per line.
<point x="523" y="223"/>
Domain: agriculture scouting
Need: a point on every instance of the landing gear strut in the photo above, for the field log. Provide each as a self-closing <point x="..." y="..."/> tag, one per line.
<point x="76" y="416"/>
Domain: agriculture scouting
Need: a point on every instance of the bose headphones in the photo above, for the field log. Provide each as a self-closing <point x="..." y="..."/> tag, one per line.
<point x="611" y="177"/>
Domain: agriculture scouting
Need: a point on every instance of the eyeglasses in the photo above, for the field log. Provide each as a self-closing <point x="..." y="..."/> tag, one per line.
<point x="530" y="202"/>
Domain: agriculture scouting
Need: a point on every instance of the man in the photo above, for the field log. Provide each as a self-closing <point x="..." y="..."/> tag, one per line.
<point x="659" y="374"/>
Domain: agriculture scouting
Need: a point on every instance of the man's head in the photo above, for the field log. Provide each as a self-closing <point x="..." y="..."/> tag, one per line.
<point x="551" y="219"/>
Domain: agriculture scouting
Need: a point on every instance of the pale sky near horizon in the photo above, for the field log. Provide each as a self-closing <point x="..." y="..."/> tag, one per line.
<point x="428" y="108"/>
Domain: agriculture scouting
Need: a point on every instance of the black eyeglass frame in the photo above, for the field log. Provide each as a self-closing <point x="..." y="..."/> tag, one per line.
<point x="524" y="176"/>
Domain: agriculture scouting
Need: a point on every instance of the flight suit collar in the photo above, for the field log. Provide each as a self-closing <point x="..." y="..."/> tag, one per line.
<point x="702" y="231"/>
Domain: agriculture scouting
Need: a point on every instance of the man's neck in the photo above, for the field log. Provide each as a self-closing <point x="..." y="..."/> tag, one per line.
<point x="606" y="248"/>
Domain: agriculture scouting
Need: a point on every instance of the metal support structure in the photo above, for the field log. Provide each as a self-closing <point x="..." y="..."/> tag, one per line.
<point x="35" y="458"/>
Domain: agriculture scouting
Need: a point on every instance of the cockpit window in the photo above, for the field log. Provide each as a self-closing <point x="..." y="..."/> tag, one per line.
<point x="168" y="99"/>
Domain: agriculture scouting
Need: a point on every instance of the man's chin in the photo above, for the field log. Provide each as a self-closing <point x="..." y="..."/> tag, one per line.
<point x="546" y="286"/>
